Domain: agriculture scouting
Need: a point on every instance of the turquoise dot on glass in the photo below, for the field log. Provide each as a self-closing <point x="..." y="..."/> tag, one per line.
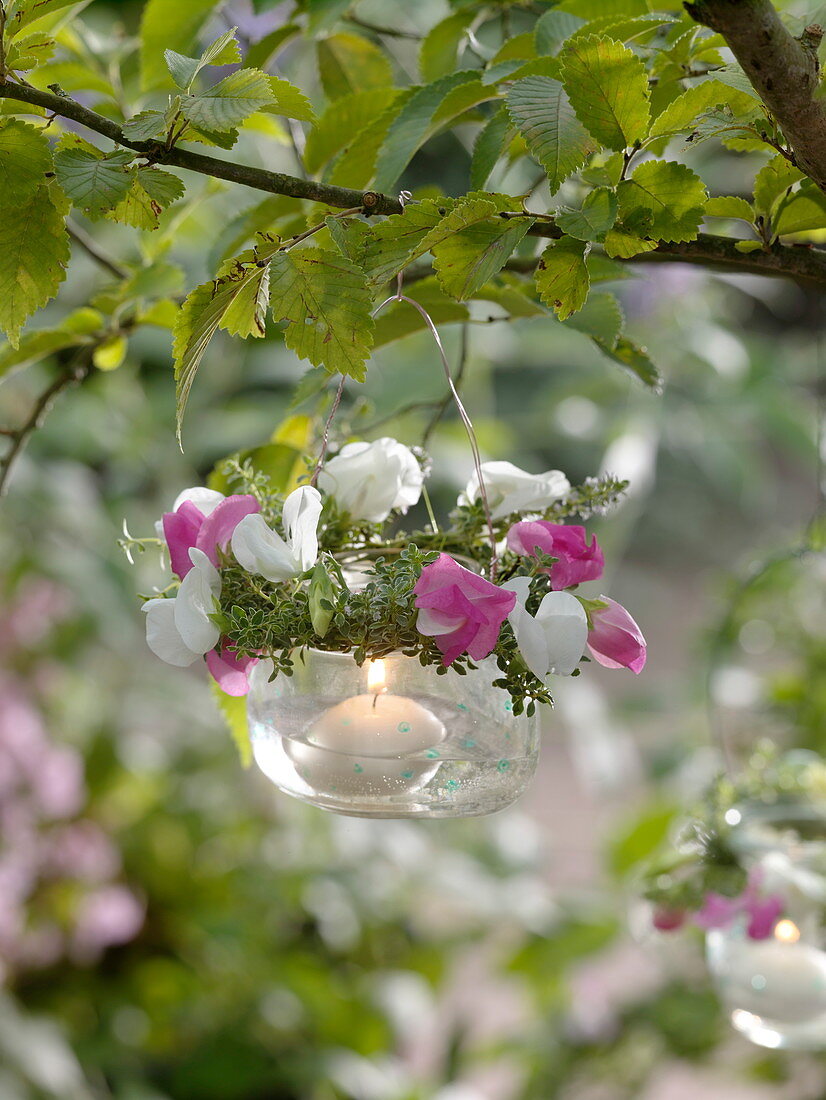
<point x="468" y="743"/>
<point x="358" y="769"/>
<point x="461" y="706"/>
<point x="345" y="721"/>
<point x="452" y="785"/>
<point x="503" y="765"/>
<point x="432" y="754"/>
<point x="508" y="705"/>
<point x="408" y="774"/>
<point x="403" y="727"/>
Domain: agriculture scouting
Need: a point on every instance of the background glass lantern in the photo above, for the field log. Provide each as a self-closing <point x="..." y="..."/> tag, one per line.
<point x="390" y="738"/>
<point x="775" y="989"/>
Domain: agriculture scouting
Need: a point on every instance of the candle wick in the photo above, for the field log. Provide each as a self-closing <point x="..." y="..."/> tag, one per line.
<point x="376" y="699"/>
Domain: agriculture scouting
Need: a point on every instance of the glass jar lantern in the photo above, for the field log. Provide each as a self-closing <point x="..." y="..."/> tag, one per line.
<point x="390" y="738"/>
<point x="775" y="988"/>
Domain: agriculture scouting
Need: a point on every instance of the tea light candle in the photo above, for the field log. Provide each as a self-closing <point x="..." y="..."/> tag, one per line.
<point x="778" y="979"/>
<point x="354" y="743"/>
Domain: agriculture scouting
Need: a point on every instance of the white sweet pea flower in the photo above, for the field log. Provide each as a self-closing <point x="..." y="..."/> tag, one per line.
<point x="179" y="631"/>
<point x="510" y="489"/>
<point x="554" y="639"/>
<point x="260" y="550"/>
<point x="369" y="480"/>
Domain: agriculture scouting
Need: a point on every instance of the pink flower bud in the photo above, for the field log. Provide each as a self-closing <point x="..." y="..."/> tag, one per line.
<point x="578" y="561"/>
<point x="615" y="640"/>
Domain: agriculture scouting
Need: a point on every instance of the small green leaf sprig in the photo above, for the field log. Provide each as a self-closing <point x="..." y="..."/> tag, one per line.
<point x="319" y="610"/>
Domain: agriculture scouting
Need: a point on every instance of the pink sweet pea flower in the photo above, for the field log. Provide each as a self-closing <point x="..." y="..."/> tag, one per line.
<point x="230" y="671"/>
<point x="762" y="910"/>
<point x="615" y="640"/>
<point x="188" y="526"/>
<point x="459" y="609"/>
<point x="578" y="561"/>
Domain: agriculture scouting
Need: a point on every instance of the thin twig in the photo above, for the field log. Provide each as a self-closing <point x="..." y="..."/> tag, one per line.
<point x="388" y="32"/>
<point x="75" y="372"/>
<point x="325" y="439"/>
<point x="93" y="249"/>
<point x="441" y="408"/>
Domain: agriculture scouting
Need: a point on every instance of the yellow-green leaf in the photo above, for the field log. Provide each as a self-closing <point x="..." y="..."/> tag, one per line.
<point x="562" y="277"/>
<point x="663" y="200"/>
<point x="24" y="160"/>
<point x="111" y="353"/>
<point x="608" y="87"/>
<point x="34" y="251"/>
<point x="541" y="109"/>
<point x="324" y="299"/>
<point x="349" y="63"/>
<point x="466" y="260"/>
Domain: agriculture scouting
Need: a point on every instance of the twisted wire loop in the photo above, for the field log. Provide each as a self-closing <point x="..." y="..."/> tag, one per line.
<point x="404" y="198"/>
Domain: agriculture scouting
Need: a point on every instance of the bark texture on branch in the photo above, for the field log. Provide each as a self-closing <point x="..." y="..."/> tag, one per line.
<point x="782" y="69"/>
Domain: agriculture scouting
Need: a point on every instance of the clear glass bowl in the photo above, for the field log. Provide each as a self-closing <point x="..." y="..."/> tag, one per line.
<point x="775" y="989"/>
<point x="390" y="738"/>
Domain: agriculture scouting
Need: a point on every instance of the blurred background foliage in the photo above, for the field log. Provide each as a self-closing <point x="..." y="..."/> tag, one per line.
<point x="171" y="929"/>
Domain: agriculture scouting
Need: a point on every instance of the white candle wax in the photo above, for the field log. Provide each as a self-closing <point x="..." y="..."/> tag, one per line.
<point x="377" y="725"/>
<point x="362" y="743"/>
<point x="782" y="982"/>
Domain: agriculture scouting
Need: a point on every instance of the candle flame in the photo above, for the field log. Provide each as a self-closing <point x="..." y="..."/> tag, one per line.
<point x="375" y="676"/>
<point x="786" y="931"/>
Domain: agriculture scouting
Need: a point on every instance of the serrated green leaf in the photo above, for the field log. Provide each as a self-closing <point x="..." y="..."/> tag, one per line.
<point x="621" y="243"/>
<point x="636" y="359"/>
<point x="246" y="314"/>
<point x="350" y="237"/>
<point x="289" y="101"/>
<point x="234" y="712"/>
<point x="562" y="279"/>
<point x="182" y="69"/>
<point x="466" y="260"/>
<point x="229" y="102"/>
<point x="29" y="11"/>
<point x="461" y="214"/>
<point x="682" y="113"/>
<point x="553" y="28"/>
<point x="94" y="182"/>
<point x="608" y="87"/>
<point x="25" y="158"/>
<point x="34" y="252"/>
<point x="439" y="50"/>
<point x="800" y="212"/>
<point x="395" y="242"/>
<point x="324" y="298"/>
<point x="601" y="318"/>
<point x="349" y="63"/>
<point x="728" y="206"/>
<point x="342" y="120"/>
<point x="145" y="126"/>
<point x="488" y="148"/>
<point x="663" y="200"/>
<point x="28" y="52"/>
<point x="409" y="129"/>
<point x="150" y="192"/>
<point x="541" y="109"/>
<point x="203" y="312"/>
<point x="593" y="220"/>
<point x="457" y="102"/>
<point x="772" y="181"/>
<point x="173" y="26"/>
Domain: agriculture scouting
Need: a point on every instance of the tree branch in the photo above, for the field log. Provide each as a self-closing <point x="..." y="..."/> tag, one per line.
<point x="74" y="372"/>
<point x="277" y="183"/>
<point x="803" y="264"/>
<point x="781" y="68"/>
